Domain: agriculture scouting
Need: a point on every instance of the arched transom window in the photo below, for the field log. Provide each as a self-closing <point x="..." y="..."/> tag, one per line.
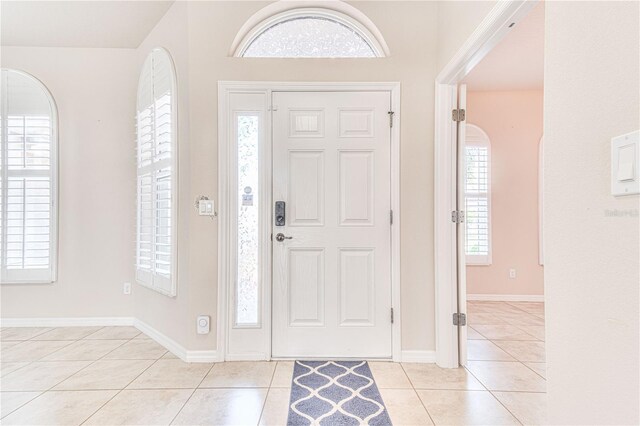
<point x="310" y="33"/>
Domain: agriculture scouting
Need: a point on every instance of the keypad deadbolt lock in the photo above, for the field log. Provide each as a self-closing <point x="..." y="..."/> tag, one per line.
<point x="280" y="213"/>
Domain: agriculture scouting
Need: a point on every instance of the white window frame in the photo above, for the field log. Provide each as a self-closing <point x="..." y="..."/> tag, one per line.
<point x="540" y="201"/>
<point x="336" y="11"/>
<point x="155" y="281"/>
<point x="36" y="276"/>
<point x="475" y="136"/>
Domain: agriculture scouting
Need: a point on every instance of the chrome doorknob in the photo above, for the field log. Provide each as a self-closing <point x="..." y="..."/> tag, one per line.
<point x="280" y="237"/>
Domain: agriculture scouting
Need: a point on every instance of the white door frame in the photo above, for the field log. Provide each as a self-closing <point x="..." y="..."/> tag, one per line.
<point x="489" y="33"/>
<point x="225" y="256"/>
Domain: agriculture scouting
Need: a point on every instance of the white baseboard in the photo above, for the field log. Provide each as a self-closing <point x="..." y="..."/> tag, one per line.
<point x="419" y="356"/>
<point x="506" y="297"/>
<point x="67" y="322"/>
<point x="174" y="347"/>
<point x="247" y="356"/>
<point x="171" y="345"/>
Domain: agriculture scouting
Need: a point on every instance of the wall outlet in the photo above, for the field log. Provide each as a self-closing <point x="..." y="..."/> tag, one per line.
<point x="126" y="288"/>
<point x="203" y="324"/>
<point x="512" y="273"/>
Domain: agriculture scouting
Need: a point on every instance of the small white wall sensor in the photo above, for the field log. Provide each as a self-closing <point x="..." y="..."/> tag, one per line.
<point x="203" y="324"/>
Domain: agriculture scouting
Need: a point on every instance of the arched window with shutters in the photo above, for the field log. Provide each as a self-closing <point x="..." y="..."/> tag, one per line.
<point x="156" y="174"/>
<point x="477" y="196"/>
<point x="28" y="180"/>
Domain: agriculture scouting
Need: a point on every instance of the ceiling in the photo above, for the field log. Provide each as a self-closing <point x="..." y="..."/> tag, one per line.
<point x="517" y="63"/>
<point x="121" y="24"/>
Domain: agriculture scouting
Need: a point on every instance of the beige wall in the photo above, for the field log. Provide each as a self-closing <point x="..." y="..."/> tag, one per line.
<point x="200" y="51"/>
<point x="173" y="316"/>
<point x="412" y="62"/>
<point x="457" y="20"/>
<point x="592" y="271"/>
<point x="94" y="90"/>
<point x="513" y="122"/>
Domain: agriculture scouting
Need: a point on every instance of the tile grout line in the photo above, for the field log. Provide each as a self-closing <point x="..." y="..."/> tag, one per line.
<point x="19" y="368"/>
<point x="119" y="391"/>
<point x="264" y="405"/>
<point x="511" y="354"/>
<point x="21" y="405"/>
<point x="516" y="360"/>
<point x="34" y="336"/>
<point x="417" y="395"/>
<point x="494" y="397"/>
<point x="191" y="395"/>
<point x="73" y="374"/>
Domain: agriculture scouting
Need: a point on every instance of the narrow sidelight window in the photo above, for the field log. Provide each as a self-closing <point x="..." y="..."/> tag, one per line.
<point x="247" y="205"/>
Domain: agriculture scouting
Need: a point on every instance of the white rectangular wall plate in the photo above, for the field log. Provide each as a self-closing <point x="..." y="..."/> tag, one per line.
<point x="204" y="324"/>
<point x="206" y="208"/>
<point x="625" y="164"/>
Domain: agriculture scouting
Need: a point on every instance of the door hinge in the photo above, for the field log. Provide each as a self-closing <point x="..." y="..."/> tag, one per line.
<point x="391" y="315"/>
<point x="457" y="216"/>
<point x="391" y="217"/>
<point x="459" y="319"/>
<point x="391" y="118"/>
<point x="458" y="115"/>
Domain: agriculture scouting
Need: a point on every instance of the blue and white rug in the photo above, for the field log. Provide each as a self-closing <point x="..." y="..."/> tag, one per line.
<point x="335" y="393"/>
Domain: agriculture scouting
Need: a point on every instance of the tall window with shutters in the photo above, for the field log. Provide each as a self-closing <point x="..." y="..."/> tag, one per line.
<point x="156" y="174"/>
<point x="28" y="162"/>
<point x="477" y="196"/>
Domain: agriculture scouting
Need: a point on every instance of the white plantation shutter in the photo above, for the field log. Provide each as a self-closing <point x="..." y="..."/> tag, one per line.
<point x="28" y="180"/>
<point x="155" y="251"/>
<point x="477" y="196"/>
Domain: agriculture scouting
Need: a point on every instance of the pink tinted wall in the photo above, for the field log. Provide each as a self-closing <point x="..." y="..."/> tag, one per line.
<point x="513" y="122"/>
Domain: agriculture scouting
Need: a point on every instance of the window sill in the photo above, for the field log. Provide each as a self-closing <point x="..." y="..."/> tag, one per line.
<point x="156" y="289"/>
<point x="478" y="260"/>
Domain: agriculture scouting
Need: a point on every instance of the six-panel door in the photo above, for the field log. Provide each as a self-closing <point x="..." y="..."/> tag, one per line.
<point x="332" y="278"/>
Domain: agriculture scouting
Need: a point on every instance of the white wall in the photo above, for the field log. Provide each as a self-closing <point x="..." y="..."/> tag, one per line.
<point x="94" y="90"/>
<point x="592" y="272"/>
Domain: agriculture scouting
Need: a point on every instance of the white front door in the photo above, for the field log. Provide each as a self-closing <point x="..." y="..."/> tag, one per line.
<point x="332" y="272"/>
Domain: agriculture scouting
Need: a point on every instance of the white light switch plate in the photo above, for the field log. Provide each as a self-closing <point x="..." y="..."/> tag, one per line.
<point x="625" y="164"/>
<point x="206" y="208"/>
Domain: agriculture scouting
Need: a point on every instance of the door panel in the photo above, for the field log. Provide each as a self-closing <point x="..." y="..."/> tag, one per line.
<point x="332" y="279"/>
<point x="306" y="188"/>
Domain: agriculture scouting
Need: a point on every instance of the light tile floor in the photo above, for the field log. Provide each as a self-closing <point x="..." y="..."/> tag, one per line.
<point x="116" y="375"/>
